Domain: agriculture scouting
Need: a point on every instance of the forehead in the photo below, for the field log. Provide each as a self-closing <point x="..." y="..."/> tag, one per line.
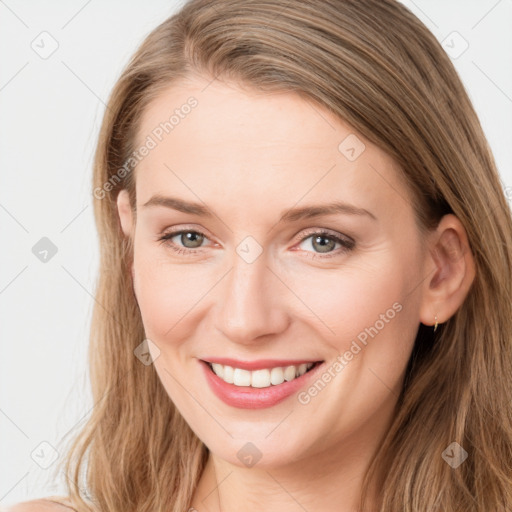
<point x="238" y="146"/>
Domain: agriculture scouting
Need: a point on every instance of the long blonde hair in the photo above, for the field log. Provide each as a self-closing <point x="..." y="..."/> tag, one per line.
<point x="377" y="67"/>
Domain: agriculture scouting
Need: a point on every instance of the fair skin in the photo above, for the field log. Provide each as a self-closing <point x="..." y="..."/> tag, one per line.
<point x="247" y="157"/>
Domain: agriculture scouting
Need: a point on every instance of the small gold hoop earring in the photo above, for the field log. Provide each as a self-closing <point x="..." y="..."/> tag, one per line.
<point x="435" y="326"/>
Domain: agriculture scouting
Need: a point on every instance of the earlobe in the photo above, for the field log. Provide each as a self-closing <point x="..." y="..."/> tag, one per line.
<point x="451" y="271"/>
<point x="125" y="212"/>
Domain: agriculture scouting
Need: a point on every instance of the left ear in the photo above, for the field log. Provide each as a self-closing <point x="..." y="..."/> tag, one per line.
<point x="452" y="271"/>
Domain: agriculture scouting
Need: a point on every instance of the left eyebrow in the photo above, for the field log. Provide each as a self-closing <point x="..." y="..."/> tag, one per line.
<point x="310" y="211"/>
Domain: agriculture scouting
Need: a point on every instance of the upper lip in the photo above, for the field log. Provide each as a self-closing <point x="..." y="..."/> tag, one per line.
<point x="258" y="364"/>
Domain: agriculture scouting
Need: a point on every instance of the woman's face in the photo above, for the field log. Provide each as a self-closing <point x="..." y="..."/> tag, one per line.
<point x="259" y="271"/>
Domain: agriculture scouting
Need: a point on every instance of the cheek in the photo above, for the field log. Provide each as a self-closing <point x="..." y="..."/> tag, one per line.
<point x="369" y="319"/>
<point x="380" y="318"/>
<point x="350" y="300"/>
<point x="170" y="295"/>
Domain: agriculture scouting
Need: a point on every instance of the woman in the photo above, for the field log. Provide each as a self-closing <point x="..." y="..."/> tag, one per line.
<point x="304" y="295"/>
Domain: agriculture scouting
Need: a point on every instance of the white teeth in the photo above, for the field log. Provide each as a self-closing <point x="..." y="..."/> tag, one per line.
<point x="218" y="369"/>
<point x="260" y="379"/>
<point x="289" y="373"/>
<point x="263" y="378"/>
<point x="302" y="369"/>
<point x="227" y="374"/>
<point x="241" y="377"/>
<point x="276" y="376"/>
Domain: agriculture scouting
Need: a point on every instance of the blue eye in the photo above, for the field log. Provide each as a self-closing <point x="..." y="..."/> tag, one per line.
<point x="195" y="238"/>
<point x="325" y="243"/>
<point x="321" y="241"/>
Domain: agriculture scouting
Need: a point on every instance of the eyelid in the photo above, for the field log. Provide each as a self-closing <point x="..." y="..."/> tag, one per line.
<point x="185" y="228"/>
<point x="346" y="242"/>
<point x="324" y="231"/>
<point x="165" y="236"/>
<point x="298" y="238"/>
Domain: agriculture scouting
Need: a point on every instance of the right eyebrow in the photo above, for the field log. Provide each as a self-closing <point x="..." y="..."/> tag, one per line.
<point x="180" y="205"/>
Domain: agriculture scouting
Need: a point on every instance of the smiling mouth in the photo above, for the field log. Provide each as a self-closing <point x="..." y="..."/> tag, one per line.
<point x="262" y="378"/>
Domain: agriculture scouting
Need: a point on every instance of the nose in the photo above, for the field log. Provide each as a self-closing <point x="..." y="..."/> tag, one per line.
<point x="252" y="303"/>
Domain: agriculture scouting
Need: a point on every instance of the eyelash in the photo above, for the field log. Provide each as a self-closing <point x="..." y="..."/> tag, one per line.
<point x="346" y="243"/>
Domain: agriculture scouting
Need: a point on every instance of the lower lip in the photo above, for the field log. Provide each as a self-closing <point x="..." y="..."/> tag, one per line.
<point x="247" y="397"/>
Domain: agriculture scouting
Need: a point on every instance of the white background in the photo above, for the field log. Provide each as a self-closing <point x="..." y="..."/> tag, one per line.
<point x="50" y="115"/>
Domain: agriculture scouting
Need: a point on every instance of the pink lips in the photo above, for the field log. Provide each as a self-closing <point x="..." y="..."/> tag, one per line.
<point x="247" y="397"/>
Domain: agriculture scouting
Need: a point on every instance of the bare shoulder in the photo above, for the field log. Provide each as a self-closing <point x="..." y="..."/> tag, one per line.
<point x="49" y="504"/>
